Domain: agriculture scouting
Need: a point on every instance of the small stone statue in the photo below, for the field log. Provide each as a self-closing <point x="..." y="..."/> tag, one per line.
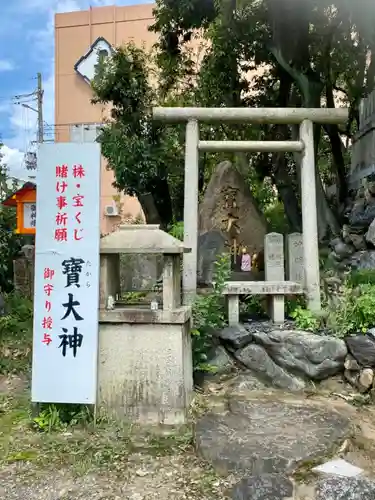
<point x="110" y="303"/>
<point x="245" y="260"/>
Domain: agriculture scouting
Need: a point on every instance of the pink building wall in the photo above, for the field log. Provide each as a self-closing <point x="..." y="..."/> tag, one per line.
<point x="75" y="32"/>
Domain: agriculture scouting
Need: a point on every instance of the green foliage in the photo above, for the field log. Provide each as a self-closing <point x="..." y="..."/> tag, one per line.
<point x="252" y="305"/>
<point x="305" y="319"/>
<point x="209" y="314"/>
<point x="134" y="297"/>
<point x="177" y="230"/>
<point x="57" y="417"/>
<point x="355" y="311"/>
<point x="303" y="55"/>
<point x="276" y="218"/>
<point x="361" y="277"/>
<point x="146" y="157"/>
<point x="16" y="334"/>
<point x="10" y="243"/>
<point x="292" y="303"/>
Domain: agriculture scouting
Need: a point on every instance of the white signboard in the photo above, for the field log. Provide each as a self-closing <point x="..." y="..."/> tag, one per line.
<point x="29" y="215"/>
<point x="66" y="295"/>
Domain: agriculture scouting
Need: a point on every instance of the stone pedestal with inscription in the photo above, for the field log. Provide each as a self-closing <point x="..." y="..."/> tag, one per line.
<point x="145" y="370"/>
<point x="274" y="271"/>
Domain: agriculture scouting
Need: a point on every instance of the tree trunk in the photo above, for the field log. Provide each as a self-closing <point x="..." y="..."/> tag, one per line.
<point x="337" y="150"/>
<point x="311" y="89"/>
<point x="149" y="208"/>
<point x="158" y="189"/>
<point x="287" y="194"/>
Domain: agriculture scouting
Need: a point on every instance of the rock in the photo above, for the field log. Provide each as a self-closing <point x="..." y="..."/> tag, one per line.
<point x="358" y="241"/>
<point x="246" y="382"/>
<point x="264" y="436"/>
<point x="370" y="235"/>
<point x="352" y="377"/>
<point x="371" y="187"/>
<point x="28" y="251"/>
<point x="258" y="361"/>
<point x="363" y="260"/>
<point x="362" y="348"/>
<point x="210" y="246"/>
<point x="343" y="250"/>
<point x="235" y="336"/>
<point x="333" y="283"/>
<point x="366" y="378"/>
<point x="314" y="356"/>
<point x="263" y="487"/>
<point x="346" y="233"/>
<point x="333" y="257"/>
<point x="345" y="488"/>
<point x="368" y="196"/>
<point x="221" y="361"/>
<point x="362" y="216"/>
<point x="357" y="211"/>
<point x="334" y="242"/>
<point x="228" y="206"/>
<point x="351" y="364"/>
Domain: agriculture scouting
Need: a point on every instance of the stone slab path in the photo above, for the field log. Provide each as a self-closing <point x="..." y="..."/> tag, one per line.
<point x="264" y="436"/>
<point x="257" y="444"/>
<point x="271" y="440"/>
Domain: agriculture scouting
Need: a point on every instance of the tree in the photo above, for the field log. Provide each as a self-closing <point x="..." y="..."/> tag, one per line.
<point x="305" y="53"/>
<point x="10" y="243"/>
<point x="146" y="157"/>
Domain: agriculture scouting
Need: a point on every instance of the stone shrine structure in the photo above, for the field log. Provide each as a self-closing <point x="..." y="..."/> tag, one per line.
<point x="145" y="359"/>
<point x="227" y="208"/>
<point x="305" y="118"/>
<point x="275" y="287"/>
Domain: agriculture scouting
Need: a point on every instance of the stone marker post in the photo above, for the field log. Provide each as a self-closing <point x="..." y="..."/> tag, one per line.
<point x="310" y="218"/>
<point x="274" y="271"/>
<point x="296" y="268"/>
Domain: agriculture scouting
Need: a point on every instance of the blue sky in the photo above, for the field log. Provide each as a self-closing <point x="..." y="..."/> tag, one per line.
<point x="26" y="47"/>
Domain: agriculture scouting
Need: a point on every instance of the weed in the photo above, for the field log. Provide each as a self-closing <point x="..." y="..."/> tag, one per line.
<point x="305" y="319"/>
<point x="208" y="315"/>
<point x="16" y="335"/>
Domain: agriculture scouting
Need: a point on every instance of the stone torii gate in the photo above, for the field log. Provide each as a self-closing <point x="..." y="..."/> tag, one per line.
<point x="305" y="118"/>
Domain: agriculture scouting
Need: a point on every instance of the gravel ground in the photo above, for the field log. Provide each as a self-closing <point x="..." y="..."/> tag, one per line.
<point x="146" y="478"/>
<point x="106" y="463"/>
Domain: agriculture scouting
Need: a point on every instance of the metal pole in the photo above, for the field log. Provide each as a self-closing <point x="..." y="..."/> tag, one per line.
<point x="189" y="279"/>
<point x="309" y="217"/>
<point x="40" y="109"/>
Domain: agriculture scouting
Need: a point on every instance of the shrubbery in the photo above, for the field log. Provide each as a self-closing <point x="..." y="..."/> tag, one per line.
<point x="209" y="314"/>
<point x="16" y="334"/>
<point x="353" y="310"/>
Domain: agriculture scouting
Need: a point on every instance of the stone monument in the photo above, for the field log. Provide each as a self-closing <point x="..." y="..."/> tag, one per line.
<point x="296" y="268"/>
<point x="228" y="209"/>
<point x="274" y="269"/>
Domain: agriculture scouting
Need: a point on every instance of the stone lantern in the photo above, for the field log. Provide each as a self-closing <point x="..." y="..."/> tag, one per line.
<point x="145" y="357"/>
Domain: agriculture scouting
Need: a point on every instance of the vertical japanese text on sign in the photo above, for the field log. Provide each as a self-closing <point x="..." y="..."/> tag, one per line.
<point x="67" y="274"/>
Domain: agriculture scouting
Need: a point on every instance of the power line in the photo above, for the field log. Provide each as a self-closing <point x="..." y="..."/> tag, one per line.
<point x="18" y="97"/>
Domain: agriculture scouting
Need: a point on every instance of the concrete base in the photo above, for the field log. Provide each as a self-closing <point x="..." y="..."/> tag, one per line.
<point x="145" y="370"/>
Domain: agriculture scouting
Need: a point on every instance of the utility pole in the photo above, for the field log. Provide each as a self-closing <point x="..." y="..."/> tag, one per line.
<point x="40" y="109"/>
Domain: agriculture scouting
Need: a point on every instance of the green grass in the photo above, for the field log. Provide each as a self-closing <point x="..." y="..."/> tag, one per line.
<point x="85" y="446"/>
<point x="16" y="336"/>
